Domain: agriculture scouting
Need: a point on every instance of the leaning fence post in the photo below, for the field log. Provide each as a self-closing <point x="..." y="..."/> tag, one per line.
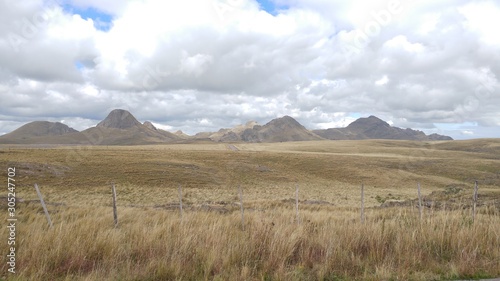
<point x="297" y="202"/>
<point x="43" y="205"/>
<point x="241" y="206"/>
<point x="180" y="199"/>
<point x="419" y="201"/>
<point x="474" y="201"/>
<point x="362" y="203"/>
<point x="115" y="213"/>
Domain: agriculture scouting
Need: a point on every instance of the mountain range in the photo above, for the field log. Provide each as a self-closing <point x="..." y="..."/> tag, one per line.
<point x="120" y="127"/>
<point x="374" y="128"/>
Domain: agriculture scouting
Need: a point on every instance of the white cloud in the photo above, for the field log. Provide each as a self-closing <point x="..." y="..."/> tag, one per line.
<point x="194" y="65"/>
<point x="401" y="42"/>
<point x="201" y="65"/>
<point x="338" y="123"/>
<point x="66" y="27"/>
<point x="382" y="81"/>
<point x="484" y="18"/>
<point x="162" y="126"/>
<point x="429" y="23"/>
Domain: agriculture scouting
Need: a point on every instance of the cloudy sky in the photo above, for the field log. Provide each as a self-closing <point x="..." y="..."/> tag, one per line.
<point x="199" y="65"/>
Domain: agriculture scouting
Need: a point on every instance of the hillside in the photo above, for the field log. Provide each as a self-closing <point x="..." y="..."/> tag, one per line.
<point x="375" y="128"/>
<point x="120" y="127"/>
<point x="41" y="132"/>
<point x="277" y="130"/>
<point x="119" y="119"/>
<point x="271" y="238"/>
<point x="229" y="135"/>
<point x="41" y="128"/>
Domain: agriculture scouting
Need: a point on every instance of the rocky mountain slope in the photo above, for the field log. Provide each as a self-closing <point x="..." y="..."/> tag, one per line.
<point x="120" y="127"/>
<point x="41" y="132"/>
<point x="374" y="128"/>
<point x="42" y="128"/>
<point x="277" y="130"/>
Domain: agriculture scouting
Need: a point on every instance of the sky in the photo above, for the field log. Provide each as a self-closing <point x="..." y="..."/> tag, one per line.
<point x="202" y="65"/>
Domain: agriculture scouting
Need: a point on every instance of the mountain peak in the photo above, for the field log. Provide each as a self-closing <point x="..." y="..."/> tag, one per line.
<point x="251" y="123"/>
<point x="285" y="121"/>
<point x="43" y="128"/>
<point x="119" y="119"/>
<point x="368" y="122"/>
<point x="280" y="129"/>
<point x="150" y="125"/>
<point x="374" y="118"/>
<point x="373" y="127"/>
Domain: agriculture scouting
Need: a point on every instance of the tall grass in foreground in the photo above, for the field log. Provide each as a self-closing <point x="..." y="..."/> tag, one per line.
<point x="152" y="244"/>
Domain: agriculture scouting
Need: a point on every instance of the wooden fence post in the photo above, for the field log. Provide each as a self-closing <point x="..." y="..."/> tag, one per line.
<point x="43" y="205"/>
<point x="115" y="213"/>
<point x="362" y="203"/>
<point x="180" y="199"/>
<point x="474" y="201"/>
<point x="419" y="201"/>
<point x="241" y="206"/>
<point x="297" y="202"/>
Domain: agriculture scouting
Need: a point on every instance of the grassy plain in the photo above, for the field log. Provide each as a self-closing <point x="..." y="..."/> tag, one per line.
<point x="152" y="243"/>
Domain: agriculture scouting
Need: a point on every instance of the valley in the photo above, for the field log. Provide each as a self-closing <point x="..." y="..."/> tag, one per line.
<point x="209" y="241"/>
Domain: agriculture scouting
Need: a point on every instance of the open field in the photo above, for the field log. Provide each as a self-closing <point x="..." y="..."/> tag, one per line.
<point x="152" y="243"/>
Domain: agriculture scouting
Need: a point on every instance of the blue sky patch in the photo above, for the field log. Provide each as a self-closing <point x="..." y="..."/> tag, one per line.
<point x="79" y="65"/>
<point x="102" y="21"/>
<point x="269" y="6"/>
<point x="355" y="115"/>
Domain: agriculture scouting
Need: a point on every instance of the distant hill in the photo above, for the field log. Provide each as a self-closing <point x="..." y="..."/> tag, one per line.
<point x="277" y="130"/>
<point x="438" y="137"/>
<point x="182" y="135"/>
<point x="119" y="119"/>
<point x="42" y="128"/>
<point x="375" y="128"/>
<point x="40" y="132"/>
<point x="228" y="135"/>
<point x="165" y="134"/>
<point x="120" y="127"/>
<point x="150" y="125"/>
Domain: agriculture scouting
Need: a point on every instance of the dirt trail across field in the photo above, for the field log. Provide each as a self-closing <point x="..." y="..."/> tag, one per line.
<point x="233" y="147"/>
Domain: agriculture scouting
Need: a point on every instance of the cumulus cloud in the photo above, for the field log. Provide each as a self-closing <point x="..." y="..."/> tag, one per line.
<point x="417" y="64"/>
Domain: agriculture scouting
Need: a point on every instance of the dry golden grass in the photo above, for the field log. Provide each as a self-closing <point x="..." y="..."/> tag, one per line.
<point x="325" y="170"/>
<point x="152" y="243"/>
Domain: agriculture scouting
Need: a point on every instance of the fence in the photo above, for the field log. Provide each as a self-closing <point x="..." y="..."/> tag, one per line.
<point x="420" y="204"/>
